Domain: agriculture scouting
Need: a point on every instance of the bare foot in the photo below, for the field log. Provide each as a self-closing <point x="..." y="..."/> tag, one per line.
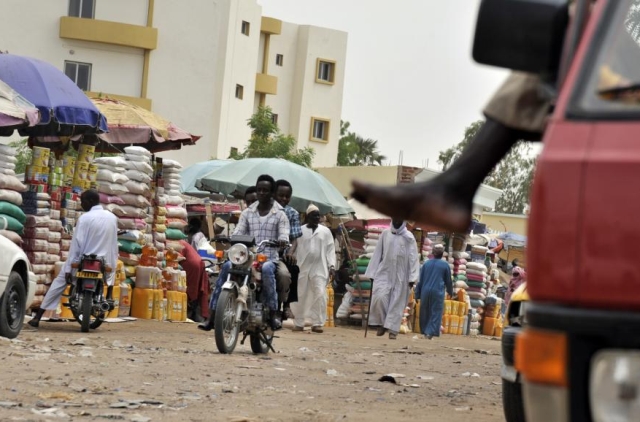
<point x="427" y="203"/>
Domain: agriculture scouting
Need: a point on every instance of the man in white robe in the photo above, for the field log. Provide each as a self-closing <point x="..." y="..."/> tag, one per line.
<point x="316" y="256"/>
<point x="393" y="266"/>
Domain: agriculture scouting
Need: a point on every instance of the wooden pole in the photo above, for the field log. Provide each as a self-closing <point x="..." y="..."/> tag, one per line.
<point x="207" y="207"/>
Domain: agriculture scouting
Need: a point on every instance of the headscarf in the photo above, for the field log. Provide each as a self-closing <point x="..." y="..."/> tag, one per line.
<point x="519" y="277"/>
<point x="400" y="229"/>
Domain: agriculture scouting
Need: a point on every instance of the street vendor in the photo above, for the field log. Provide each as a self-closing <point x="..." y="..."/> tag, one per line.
<point x="197" y="283"/>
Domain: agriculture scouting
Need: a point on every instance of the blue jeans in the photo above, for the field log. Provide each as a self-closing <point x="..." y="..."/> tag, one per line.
<point x="268" y="284"/>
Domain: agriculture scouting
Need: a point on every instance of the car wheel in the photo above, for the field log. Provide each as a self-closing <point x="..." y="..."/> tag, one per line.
<point x="12" y="306"/>
<point x="512" y="401"/>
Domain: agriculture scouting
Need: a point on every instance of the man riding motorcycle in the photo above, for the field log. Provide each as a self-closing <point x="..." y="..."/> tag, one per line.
<point x="96" y="233"/>
<point x="264" y="220"/>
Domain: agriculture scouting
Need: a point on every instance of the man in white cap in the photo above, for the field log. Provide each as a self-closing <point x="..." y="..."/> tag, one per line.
<point x="316" y="257"/>
<point x="393" y="266"/>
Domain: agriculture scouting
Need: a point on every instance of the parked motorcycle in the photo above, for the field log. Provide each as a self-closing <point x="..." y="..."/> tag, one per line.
<point x="240" y="305"/>
<point x="86" y="299"/>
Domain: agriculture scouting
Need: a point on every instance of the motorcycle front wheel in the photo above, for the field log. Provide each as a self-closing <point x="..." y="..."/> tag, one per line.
<point x="225" y="324"/>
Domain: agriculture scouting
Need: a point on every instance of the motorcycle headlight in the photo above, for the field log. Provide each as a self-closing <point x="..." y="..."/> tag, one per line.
<point x="238" y="254"/>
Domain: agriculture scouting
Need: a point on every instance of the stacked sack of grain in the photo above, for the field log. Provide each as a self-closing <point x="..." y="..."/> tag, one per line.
<point x="110" y="181"/>
<point x="36" y="246"/>
<point x="476" y="280"/>
<point x="427" y="247"/>
<point x="10" y="198"/>
<point x="176" y="213"/>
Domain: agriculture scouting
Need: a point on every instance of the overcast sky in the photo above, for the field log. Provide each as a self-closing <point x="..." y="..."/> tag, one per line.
<point x="410" y="81"/>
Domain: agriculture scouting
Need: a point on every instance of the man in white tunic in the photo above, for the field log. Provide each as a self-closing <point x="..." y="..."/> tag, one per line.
<point x="393" y="266"/>
<point x="316" y="257"/>
<point x="96" y="233"/>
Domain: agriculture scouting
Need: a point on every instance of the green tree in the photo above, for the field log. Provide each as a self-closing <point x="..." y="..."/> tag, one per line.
<point x="268" y="142"/>
<point x="23" y="155"/>
<point x="513" y="175"/>
<point x="354" y="150"/>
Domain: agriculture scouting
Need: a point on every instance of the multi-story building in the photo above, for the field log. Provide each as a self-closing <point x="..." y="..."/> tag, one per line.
<point x="205" y="65"/>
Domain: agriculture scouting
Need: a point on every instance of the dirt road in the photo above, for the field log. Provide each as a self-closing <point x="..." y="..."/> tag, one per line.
<point x="160" y="371"/>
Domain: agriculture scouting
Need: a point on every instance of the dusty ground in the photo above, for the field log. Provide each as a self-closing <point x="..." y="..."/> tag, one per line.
<point x="58" y="373"/>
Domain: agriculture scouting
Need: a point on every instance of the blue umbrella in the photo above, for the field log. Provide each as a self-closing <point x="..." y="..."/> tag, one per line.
<point x="64" y="109"/>
<point x="191" y="175"/>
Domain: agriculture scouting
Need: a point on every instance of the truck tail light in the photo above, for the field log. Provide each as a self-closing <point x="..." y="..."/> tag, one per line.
<point x="541" y="357"/>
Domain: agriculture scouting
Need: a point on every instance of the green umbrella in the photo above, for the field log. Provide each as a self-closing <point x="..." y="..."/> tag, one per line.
<point x="191" y="175"/>
<point x="309" y="187"/>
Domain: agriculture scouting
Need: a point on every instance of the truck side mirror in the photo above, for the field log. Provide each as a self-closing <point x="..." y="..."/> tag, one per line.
<point x="522" y="35"/>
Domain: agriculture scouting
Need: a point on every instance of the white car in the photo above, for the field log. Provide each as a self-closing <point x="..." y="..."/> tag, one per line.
<point x="17" y="287"/>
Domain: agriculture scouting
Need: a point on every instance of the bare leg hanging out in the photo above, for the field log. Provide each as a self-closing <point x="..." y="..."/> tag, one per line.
<point x="446" y="202"/>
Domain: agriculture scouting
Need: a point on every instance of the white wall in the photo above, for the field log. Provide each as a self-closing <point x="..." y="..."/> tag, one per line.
<point x="286" y="44"/>
<point x="312" y="99"/>
<point x="183" y="71"/>
<point x="133" y="12"/>
<point x="241" y="61"/>
<point x="39" y="38"/>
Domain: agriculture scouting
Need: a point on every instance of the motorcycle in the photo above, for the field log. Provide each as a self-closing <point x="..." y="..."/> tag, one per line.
<point x="240" y="305"/>
<point x="86" y="299"/>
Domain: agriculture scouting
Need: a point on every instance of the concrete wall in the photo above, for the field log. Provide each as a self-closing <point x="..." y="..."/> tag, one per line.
<point x="201" y="55"/>
<point x="31" y="28"/>
<point x="314" y="99"/>
<point x="341" y="177"/>
<point x="184" y="73"/>
<point x="497" y="222"/>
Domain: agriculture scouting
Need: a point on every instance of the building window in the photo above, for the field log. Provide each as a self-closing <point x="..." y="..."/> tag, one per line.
<point x="80" y="73"/>
<point x="239" y="92"/>
<point x="82" y="8"/>
<point x="234" y="151"/>
<point x="246" y="27"/>
<point x="279" y="59"/>
<point x="325" y="71"/>
<point x="274" y="118"/>
<point x="320" y="129"/>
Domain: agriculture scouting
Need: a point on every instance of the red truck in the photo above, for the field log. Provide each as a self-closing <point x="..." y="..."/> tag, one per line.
<point x="578" y="354"/>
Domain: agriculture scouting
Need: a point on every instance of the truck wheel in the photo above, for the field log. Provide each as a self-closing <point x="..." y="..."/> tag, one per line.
<point x="12" y="306"/>
<point x="512" y="401"/>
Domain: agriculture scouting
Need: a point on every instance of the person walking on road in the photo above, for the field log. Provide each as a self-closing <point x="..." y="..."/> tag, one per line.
<point x="316" y="257"/>
<point x="96" y="233"/>
<point x="435" y="277"/>
<point x="393" y="267"/>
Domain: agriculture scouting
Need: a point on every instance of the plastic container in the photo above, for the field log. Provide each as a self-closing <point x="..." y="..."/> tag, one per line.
<point x="149" y="256"/>
<point x="489" y="326"/>
<point x="124" y="309"/>
<point x="157" y="313"/>
<point x="116" y="302"/>
<point x="183" y="306"/>
<point x="455" y="323"/>
<point x="64" y="312"/>
<point x="446" y="322"/>
<point x="142" y="303"/>
<point x="455" y="307"/>
<point x="447" y="307"/>
<point x="146" y="277"/>
<point x="416" y="319"/>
